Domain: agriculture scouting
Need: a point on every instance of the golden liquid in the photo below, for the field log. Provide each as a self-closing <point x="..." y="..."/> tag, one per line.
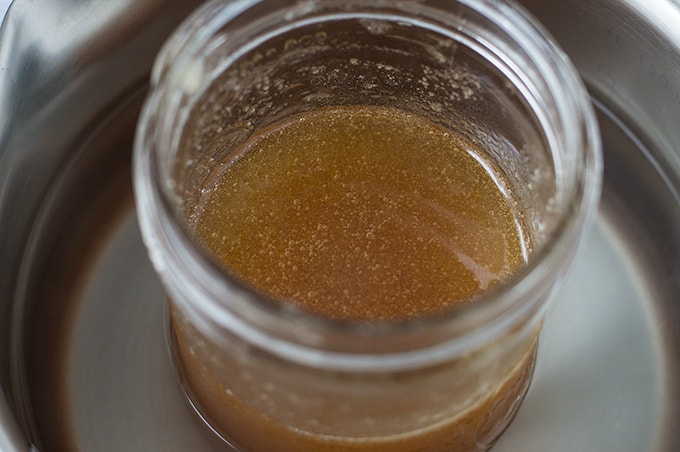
<point x="362" y="213"/>
<point x="473" y="429"/>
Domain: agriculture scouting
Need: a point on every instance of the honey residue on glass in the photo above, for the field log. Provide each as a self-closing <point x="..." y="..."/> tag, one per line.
<point x="362" y="213"/>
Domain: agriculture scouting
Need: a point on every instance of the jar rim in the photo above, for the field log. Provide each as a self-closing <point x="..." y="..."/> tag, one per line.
<point x="343" y="344"/>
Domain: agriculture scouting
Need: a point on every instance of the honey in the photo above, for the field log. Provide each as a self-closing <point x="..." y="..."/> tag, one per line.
<point x="358" y="213"/>
<point x="362" y="213"/>
<point x="252" y="406"/>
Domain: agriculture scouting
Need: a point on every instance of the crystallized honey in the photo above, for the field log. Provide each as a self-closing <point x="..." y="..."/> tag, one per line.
<point x="362" y="213"/>
<point x="358" y="213"/>
<point x="253" y="406"/>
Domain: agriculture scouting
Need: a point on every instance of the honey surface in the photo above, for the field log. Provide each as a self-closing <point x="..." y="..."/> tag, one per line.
<point x="362" y="213"/>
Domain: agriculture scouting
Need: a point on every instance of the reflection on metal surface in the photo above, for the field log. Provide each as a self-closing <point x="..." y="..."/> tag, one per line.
<point x="629" y="54"/>
<point x="62" y="65"/>
<point x="71" y="77"/>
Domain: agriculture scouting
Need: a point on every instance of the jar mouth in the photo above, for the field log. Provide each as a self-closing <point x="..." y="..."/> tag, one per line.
<point x="284" y="330"/>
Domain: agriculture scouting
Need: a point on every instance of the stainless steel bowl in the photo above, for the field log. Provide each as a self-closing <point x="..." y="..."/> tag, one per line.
<point x="82" y="357"/>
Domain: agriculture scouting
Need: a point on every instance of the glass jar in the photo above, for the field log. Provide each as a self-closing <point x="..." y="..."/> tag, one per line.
<point x="268" y="376"/>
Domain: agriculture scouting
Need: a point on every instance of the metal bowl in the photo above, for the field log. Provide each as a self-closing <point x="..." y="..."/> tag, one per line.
<point x="83" y="362"/>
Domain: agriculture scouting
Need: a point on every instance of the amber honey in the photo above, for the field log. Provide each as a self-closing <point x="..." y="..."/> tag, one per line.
<point x="362" y="213"/>
<point x="357" y="213"/>
<point x="252" y="413"/>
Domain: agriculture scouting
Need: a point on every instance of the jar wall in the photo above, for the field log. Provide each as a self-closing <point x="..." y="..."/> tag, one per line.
<point x="266" y="377"/>
<point x="331" y="57"/>
<point x="258" y="402"/>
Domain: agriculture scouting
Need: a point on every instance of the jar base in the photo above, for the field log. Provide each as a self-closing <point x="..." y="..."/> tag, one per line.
<point x="225" y="417"/>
